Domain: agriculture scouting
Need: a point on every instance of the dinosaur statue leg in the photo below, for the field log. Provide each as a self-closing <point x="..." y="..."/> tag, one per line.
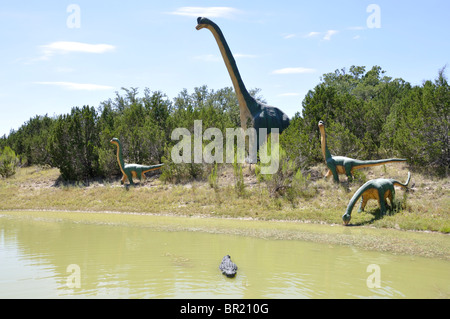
<point x="364" y="200"/>
<point x="334" y="172"/>
<point x="124" y="179"/>
<point x="348" y="172"/>
<point x="130" y="178"/>
<point x="382" y="202"/>
<point x="390" y="194"/>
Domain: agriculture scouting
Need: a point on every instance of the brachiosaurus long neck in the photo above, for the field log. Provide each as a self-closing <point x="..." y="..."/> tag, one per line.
<point x="120" y="156"/>
<point x="247" y="103"/>
<point x="323" y="141"/>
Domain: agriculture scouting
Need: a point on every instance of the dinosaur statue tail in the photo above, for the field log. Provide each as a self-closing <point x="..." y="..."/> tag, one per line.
<point x="152" y="167"/>
<point x="397" y="183"/>
<point x="361" y="164"/>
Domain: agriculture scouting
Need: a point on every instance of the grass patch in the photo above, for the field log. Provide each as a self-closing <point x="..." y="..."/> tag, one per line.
<point x="426" y="207"/>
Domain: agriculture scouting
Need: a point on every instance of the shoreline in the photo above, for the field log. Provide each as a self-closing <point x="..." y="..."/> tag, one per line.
<point x="402" y="242"/>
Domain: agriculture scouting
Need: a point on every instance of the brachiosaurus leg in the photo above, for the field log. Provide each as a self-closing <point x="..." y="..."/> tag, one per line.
<point x="390" y="194"/>
<point x="382" y="202"/>
<point x="348" y="172"/>
<point x="333" y="171"/>
<point x="130" y="178"/>
<point x="364" y="200"/>
<point x="124" y="179"/>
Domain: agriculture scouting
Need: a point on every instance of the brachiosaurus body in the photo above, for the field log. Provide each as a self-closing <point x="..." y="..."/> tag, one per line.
<point x="261" y="115"/>
<point x="345" y="165"/>
<point x="378" y="189"/>
<point x="131" y="170"/>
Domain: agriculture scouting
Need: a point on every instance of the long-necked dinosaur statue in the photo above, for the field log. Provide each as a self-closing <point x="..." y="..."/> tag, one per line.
<point x="345" y="165"/>
<point x="378" y="189"/>
<point x="131" y="170"/>
<point x="261" y="115"/>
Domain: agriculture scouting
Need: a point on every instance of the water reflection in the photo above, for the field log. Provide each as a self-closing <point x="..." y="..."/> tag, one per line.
<point x="138" y="262"/>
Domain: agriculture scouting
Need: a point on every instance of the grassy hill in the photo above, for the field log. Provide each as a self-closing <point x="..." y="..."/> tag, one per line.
<point x="425" y="207"/>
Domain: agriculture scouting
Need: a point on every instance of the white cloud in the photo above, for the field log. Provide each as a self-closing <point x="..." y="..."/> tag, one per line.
<point x="244" y="56"/>
<point x="78" y="86"/>
<point x="299" y="70"/>
<point x="312" y="34"/>
<point x="329" y="34"/>
<point x="63" y="47"/>
<point x="209" y="12"/>
<point x="289" y="36"/>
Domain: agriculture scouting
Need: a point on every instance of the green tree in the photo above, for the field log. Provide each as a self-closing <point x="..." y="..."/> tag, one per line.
<point x="8" y="162"/>
<point x="419" y="126"/>
<point x="74" y="144"/>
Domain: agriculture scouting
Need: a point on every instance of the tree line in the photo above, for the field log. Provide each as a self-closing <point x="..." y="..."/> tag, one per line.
<point x="368" y="115"/>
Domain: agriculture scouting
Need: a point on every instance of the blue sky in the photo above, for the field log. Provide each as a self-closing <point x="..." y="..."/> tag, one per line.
<point x="59" y="54"/>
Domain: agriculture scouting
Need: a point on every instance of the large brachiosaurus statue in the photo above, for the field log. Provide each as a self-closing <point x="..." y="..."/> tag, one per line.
<point x="378" y="189"/>
<point x="131" y="170"/>
<point x="345" y="165"/>
<point x="262" y="116"/>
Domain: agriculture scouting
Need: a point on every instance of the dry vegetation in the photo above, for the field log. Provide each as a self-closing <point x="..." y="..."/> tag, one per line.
<point x="425" y="207"/>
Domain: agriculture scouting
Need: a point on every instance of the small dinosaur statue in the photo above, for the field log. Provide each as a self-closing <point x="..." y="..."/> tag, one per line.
<point x="131" y="170"/>
<point x="378" y="189"/>
<point x="345" y="165"/>
<point x="262" y="116"/>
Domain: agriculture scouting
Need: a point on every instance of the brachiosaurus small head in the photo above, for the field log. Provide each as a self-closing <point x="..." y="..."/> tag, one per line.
<point x="203" y="22"/>
<point x="321" y="126"/>
<point x="346" y="218"/>
<point x="115" y="141"/>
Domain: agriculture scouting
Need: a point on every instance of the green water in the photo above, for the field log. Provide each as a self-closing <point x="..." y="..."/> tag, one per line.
<point x="42" y="258"/>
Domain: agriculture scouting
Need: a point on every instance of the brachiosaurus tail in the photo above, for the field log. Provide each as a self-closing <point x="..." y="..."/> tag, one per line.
<point x="152" y="168"/>
<point x="397" y="183"/>
<point x="361" y="164"/>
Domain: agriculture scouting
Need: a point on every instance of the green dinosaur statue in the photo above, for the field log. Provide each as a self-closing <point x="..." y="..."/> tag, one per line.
<point x="131" y="170"/>
<point x="345" y="165"/>
<point x="261" y="115"/>
<point x="378" y="189"/>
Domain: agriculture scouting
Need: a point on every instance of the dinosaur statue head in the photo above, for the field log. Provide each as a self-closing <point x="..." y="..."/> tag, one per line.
<point x="203" y="23"/>
<point x="115" y="141"/>
<point x="321" y="126"/>
<point x="346" y="218"/>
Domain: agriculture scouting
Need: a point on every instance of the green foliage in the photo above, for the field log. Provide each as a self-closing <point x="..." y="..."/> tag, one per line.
<point x="239" y="185"/>
<point x="213" y="178"/>
<point x="367" y="114"/>
<point x="288" y="182"/>
<point x="419" y="127"/>
<point x="8" y="162"/>
<point x="74" y="144"/>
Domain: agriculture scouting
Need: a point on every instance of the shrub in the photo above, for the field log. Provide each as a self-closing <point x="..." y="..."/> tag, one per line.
<point x="8" y="162"/>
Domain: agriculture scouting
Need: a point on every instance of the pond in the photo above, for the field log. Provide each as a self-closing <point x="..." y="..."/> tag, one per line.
<point x="51" y="258"/>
